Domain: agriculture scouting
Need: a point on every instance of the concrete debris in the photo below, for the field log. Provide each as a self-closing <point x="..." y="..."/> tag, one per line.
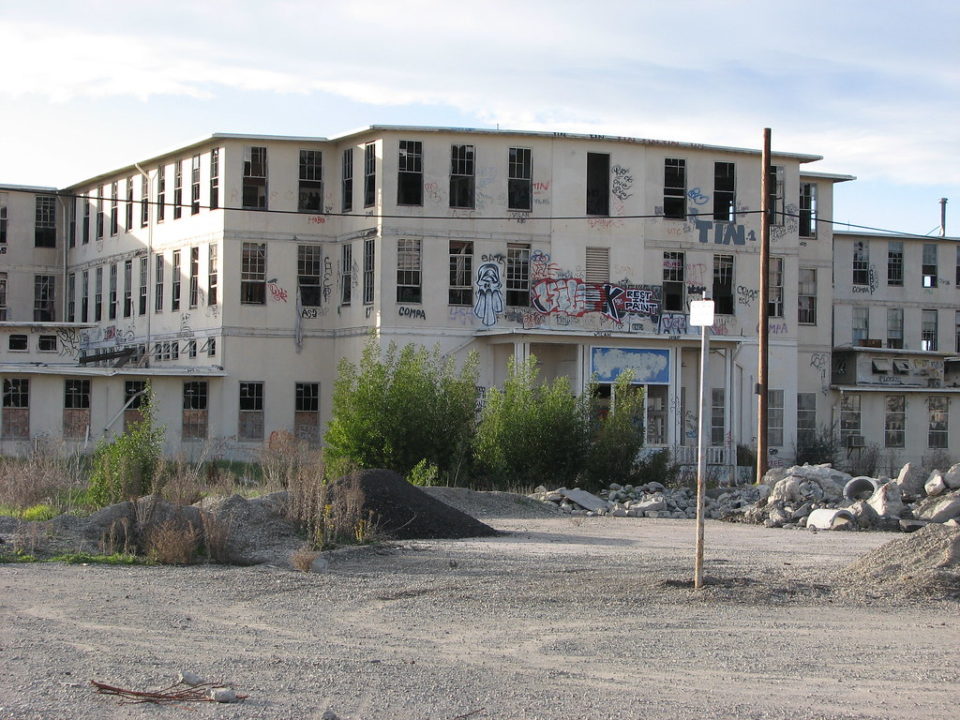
<point x="818" y="497"/>
<point x="952" y="477"/>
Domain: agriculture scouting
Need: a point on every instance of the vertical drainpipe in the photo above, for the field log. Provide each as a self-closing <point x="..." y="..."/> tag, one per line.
<point x="66" y="239"/>
<point x="150" y="220"/>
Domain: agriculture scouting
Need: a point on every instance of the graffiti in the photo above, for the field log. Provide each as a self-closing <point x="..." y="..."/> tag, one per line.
<point x="212" y="311"/>
<point x="720" y="326"/>
<point x="673" y="324"/>
<point x="415" y="313"/>
<point x="778" y="328"/>
<point x="872" y="282"/>
<point x="69" y="342"/>
<point x="778" y="232"/>
<point x="109" y="332"/>
<point x="433" y="192"/>
<point x="310" y="313"/>
<point x="541" y="267"/>
<point x="540" y="192"/>
<point x="185" y="328"/>
<point x="644" y="300"/>
<point x="276" y="292"/>
<point x="499" y="258"/>
<point x="489" y="293"/>
<point x="602" y="333"/>
<point x="622" y="182"/>
<point x="696" y="273"/>
<point x="697" y="197"/>
<point x="461" y="315"/>
<point x="604" y="223"/>
<point x="696" y="289"/>
<point x="723" y="233"/>
<point x="820" y="361"/>
<point x="517" y="217"/>
<point x="327" y="282"/>
<point x="317" y="219"/>
<point x="745" y="295"/>
<point x="574" y="297"/>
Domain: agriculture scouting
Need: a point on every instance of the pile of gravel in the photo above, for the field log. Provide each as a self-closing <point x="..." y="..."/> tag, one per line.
<point x="492" y="503"/>
<point x="405" y="512"/>
<point x="924" y="563"/>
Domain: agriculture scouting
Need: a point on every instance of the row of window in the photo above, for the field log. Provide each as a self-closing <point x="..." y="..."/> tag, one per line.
<point x="929" y="277"/>
<point x="929" y="328"/>
<point x="44" y="221"/>
<point x="76" y="409"/>
<point x="44" y="298"/>
<point x="894" y="421"/>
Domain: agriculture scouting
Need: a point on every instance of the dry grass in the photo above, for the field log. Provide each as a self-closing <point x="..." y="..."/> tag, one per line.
<point x="172" y="542"/>
<point x="50" y="474"/>
<point x="216" y="537"/>
<point x="303" y="558"/>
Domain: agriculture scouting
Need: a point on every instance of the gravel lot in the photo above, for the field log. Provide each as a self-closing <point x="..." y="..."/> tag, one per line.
<point x="558" y="618"/>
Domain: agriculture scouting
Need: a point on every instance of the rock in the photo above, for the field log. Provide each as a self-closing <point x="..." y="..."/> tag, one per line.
<point x="864" y="513"/>
<point x="585" y="500"/>
<point x="654" y="487"/>
<point x="935" y="484"/>
<point x="223" y="695"/>
<point x="887" y="500"/>
<point x="786" y="490"/>
<point x="952" y="477"/>
<point x="777" y="517"/>
<point x="189" y="678"/>
<point x="830" y="519"/>
<point x="938" y="509"/>
<point x="860" y="488"/>
<point x="653" y="504"/>
<point x="802" y="511"/>
<point x="911" y="479"/>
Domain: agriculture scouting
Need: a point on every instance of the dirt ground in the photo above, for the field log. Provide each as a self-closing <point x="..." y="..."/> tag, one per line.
<point x="557" y="618"/>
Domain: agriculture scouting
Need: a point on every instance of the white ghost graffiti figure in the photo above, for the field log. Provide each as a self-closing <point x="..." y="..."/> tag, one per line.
<point x="489" y="298"/>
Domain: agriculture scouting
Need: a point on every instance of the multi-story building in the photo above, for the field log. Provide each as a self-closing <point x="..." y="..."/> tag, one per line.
<point x="232" y="274"/>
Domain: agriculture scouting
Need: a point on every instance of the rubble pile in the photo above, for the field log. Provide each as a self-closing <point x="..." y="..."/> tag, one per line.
<point x="652" y="500"/>
<point x="815" y="496"/>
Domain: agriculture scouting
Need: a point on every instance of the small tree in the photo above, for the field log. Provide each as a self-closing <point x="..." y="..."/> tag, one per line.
<point x="396" y="410"/>
<point x="532" y="433"/>
<point x="124" y="469"/>
<point x="618" y="437"/>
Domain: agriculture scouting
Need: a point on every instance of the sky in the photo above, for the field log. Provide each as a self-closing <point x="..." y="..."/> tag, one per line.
<point x="873" y="87"/>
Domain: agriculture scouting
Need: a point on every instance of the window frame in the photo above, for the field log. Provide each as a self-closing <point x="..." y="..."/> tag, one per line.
<point x="520" y="179"/>
<point x="724" y="191"/>
<point x="309" y="274"/>
<point x="253" y="273"/>
<point x="460" y="276"/>
<point x="462" y="176"/>
<point x="807" y="220"/>
<point x="346" y="180"/>
<point x="675" y="188"/>
<point x="894" y="421"/>
<point x="255" y="190"/>
<point x="724" y="288"/>
<point x="598" y="184"/>
<point x="45" y="221"/>
<point x="517" y="275"/>
<point x="250" y="420"/>
<point x="410" y="173"/>
<point x="310" y="187"/>
<point x="409" y="271"/>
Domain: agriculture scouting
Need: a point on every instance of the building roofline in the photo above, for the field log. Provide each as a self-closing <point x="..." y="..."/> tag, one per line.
<point x="892" y="235"/>
<point x="28" y="188"/>
<point x="801" y="157"/>
<point x="834" y="177"/>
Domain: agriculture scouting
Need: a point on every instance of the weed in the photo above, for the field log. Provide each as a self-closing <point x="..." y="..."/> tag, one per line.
<point x="172" y="542"/>
<point x="216" y="538"/>
<point x="303" y="558"/>
<point x="80" y="558"/>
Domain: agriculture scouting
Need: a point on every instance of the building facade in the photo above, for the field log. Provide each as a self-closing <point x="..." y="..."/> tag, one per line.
<point x="234" y="273"/>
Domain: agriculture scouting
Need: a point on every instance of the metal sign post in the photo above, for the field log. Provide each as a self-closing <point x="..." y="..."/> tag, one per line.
<point x="701" y="315"/>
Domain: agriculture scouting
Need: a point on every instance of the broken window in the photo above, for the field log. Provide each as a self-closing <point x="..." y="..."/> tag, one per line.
<point x="598" y="184"/>
<point x="144" y="201"/>
<point x="76" y="409"/>
<point x="346" y="181"/>
<point x="369" y="174"/>
<point x="775" y="301"/>
<point x="937" y="433"/>
<point x="723" y="284"/>
<point x="410" y="173"/>
<point x="311" y="181"/>
<point x="894" y="421"/>
<point x="44" y="307"/>
<point x="462" y="176"/>
<point x="928" y="330"/>
<point x="895" y="263"/>
<point x="895" y="327"/>
<point x="673" y="282"/>
<point x="807" y="296"/>
<point x="16" y="409"/>
<point x="409" y="275"/>
<point x="86" y="221"/>
<point x="861" y="324"/>
<point x="929" y="268"/>
<point x="724" y="192"/>
<point x="518" y="275"/>
<point x="461" y="272"/>
<point x="71" y="297"/>
<point x="45" y="228"/>
<point x="775" y="189"/>
<point x="254" y="178"/>
<point x="306" y="415"/>
<point x="253" y="274"/>
<point x="309" y="264"/>
<point x="520" y="179"/>
<point x="194" y="420"/>
<point x="84" y="295"/>
<point x="808" y="210"/>
<point x="98" y="296"/>
<point x="675" y="188"/>
<point x="850" y="420"/>
<point x="861" y="263"/>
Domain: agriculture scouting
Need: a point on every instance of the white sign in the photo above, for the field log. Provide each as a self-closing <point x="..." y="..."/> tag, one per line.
<point x="701" y="313"/>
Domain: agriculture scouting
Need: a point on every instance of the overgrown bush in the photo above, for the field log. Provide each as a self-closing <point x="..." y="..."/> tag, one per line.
<point x="396" y="410"/>
<point x="50" y="475"/>
<point x="423" y="474"/>
<point x="617" y="437"/>
<point x="530" y="433"/>
<point x="125" y="468"/>
<point x="821" y="446"/>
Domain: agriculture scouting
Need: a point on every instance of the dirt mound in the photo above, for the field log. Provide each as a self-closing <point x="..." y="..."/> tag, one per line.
<point x="492" y="503"/>
<point x="405" y="512"/>
<point x="256" y="530"/>
<point x="926" y="562"/>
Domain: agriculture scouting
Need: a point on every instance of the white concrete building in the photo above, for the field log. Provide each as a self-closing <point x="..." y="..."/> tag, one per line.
<point x="234" y="273"/>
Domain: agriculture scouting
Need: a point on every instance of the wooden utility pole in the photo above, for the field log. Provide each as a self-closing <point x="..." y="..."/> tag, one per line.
<point x="767" y="185"/>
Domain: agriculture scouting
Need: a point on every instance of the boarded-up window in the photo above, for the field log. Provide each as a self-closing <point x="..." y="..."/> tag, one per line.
<point x="306" y="417"/>
<point x="250" y="422"/>
<point x="194" y="411"/>
<point x="598" y="265"/>
<point x="16" y="409"/>
<point x="76" y="409"/>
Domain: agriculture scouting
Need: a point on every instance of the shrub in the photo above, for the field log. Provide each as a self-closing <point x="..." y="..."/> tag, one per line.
<point x="392" y="412"/>
<point x="822" y="446"/>
<point x="618" y="437"/>
<point x="172" y="542"/>
<point x="126" y="467"/>
<point x="531" y="433"/>
<point x="423" y="474"/>
<point x="49" y="475"/>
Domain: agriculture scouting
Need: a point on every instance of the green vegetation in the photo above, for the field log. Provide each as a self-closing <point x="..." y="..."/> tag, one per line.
<point x="78" y="558"/>
<point x="407" y="406"/>
<point x="125" y="468"/>
<point x="618" y="438"/>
